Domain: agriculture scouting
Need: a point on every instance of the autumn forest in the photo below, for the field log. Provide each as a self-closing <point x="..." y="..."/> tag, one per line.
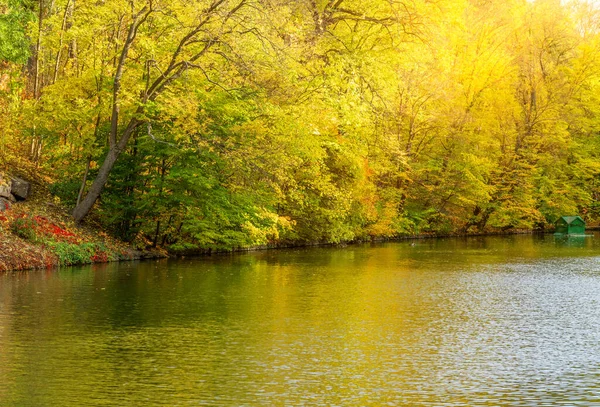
<point x="218" y="124"/>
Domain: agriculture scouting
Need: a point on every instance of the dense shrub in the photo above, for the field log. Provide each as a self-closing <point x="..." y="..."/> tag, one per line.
<point x="66" y="189"/>
<point x="24" y="227"/>
<point x="84" y="253"/>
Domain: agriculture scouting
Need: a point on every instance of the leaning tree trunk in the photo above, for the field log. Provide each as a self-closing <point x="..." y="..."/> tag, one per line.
<point x="115" y="148"/>
<point x="84" y="207"/>
<point x="86" y="204"/>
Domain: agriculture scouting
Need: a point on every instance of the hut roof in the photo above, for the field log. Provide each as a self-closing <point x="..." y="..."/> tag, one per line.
<point x="571" y="219"/>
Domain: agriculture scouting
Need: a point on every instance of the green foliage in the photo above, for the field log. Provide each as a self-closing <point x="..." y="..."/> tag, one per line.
<point x="66" y="189"/>
<point x="79" y="253"/>
<point x="24" y="227"/>
<point x="14" y="41"/>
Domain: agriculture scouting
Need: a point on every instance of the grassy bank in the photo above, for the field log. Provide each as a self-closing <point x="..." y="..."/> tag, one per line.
<point x="34" y="235"/>
<point x="39" y="233"/>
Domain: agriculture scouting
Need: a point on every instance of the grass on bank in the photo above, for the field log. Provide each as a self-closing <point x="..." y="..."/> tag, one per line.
<point x="39" y="233"/>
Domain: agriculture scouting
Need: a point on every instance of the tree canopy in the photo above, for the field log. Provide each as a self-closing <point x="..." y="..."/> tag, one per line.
<point x="216" y="124"/>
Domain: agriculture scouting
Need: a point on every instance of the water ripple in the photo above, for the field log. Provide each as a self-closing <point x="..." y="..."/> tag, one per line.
<point x="481" y="322"/>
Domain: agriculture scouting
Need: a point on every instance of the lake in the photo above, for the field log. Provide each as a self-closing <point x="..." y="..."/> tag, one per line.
<point x="480" y="321"/>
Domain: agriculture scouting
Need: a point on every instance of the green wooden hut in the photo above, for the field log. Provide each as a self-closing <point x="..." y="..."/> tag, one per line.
<point x="570" y="225"/>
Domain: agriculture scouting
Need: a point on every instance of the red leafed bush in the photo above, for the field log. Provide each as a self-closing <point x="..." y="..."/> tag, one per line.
<point x="32" y="227"/>
<point x="47" y="228"/>
<point x="99" y="257"/>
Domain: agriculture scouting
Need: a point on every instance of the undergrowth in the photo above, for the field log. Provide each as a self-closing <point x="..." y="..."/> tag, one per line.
<point x="79" y="253"/>
<point x="65" y="244"/>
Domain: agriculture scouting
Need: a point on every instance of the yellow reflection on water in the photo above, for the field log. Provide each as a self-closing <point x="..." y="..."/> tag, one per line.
<point x="483" y="321"/>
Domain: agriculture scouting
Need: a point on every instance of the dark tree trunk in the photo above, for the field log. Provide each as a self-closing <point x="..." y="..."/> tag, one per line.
<point x="87" y="170"/>
<point x="86" y="204"/>
<point x="114" y="152"/>
<point x="156" y="232"/>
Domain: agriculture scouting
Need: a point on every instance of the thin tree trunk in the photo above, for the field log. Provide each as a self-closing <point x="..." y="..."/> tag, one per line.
<point x="73" y="44"/>
<point x="60" y="45"/>
<point x="160" y="192"/>
<point x="36" y="147"/>
<point x="38" y="153"/>
<point x="38" y="45"/>
<point x="165" y="235"/>
<point x="36" y="142"/>
<point x="156" y="234"/>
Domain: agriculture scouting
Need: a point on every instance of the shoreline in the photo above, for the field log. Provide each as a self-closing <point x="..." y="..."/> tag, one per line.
<point x="42" y="262"/>
<point x="40" y="259"/>
<point x="209" y="252"/>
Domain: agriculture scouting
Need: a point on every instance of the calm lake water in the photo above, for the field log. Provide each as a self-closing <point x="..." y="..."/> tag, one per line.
<point x="453" y="322"/>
